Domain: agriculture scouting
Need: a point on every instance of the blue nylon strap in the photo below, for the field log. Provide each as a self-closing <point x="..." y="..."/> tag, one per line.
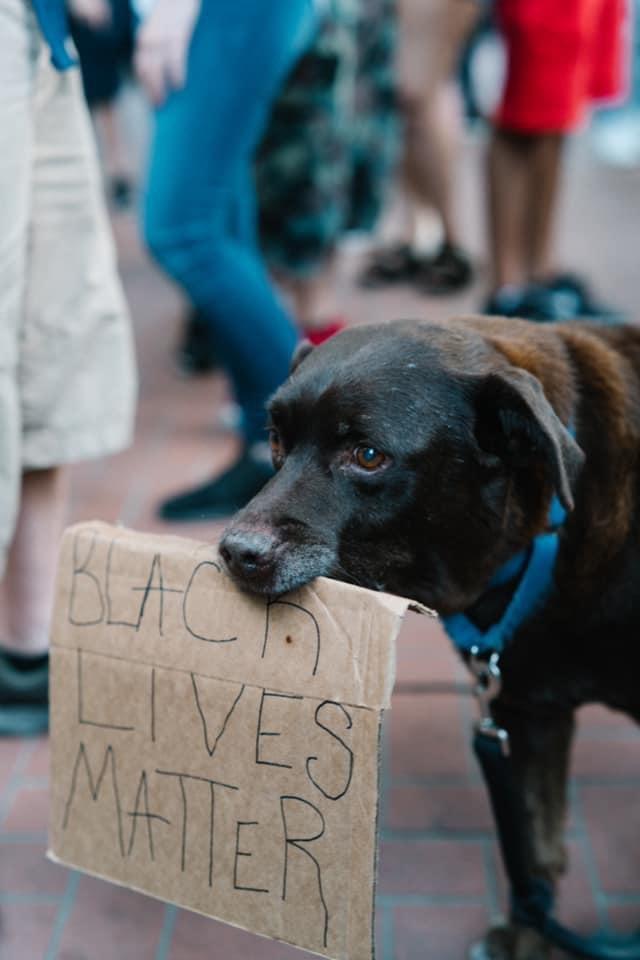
<point x="510" y="570"/>
<point x="557" y="513"/>
<point x="536" y="567"/>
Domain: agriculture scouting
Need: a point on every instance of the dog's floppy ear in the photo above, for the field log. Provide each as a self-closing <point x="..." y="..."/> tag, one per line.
<point x="303" y="350"/>
<point x="515" y="421"/>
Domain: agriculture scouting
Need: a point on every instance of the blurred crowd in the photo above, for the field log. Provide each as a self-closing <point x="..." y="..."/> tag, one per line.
<point x="279" y="131"/>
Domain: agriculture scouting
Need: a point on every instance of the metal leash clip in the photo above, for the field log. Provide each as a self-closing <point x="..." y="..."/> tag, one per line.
<point x="488" y="685"/>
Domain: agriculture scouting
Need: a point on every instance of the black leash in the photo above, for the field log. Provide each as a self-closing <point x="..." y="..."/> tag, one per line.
<point x="532" y="899"/>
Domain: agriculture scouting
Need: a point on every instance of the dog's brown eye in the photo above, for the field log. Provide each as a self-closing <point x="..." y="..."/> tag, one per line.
<point x="368" y="458"/>
<point x="277" y="448"/>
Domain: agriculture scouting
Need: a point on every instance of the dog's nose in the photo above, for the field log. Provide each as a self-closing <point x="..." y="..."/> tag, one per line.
<point x="248" y="553"/>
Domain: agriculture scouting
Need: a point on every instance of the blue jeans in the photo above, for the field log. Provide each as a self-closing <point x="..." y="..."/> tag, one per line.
<point x="199" y="217"/>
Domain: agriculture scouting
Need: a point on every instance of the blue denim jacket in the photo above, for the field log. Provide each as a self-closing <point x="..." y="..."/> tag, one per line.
<point x="52" y="17"/>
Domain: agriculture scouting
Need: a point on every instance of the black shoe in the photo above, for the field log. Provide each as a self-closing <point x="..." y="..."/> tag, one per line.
<point x="577" y="301"/>
<point x="121" y="192"/>
<point x="221" y="497"/>
<point x="533" y="302"/>
<point x="553" y="302"/>
<point x="505" y="302"/>
<point x="196" y="352"/>
<point x="448" y="272"/>
<point x="24" y="694"/>
<point x="390" y="265"/>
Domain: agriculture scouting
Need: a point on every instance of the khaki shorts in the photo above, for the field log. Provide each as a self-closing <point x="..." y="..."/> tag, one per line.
<point x="67" y="375"/>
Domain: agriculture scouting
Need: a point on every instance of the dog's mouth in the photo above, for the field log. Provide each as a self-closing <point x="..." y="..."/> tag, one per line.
<point x="261" y="562"/>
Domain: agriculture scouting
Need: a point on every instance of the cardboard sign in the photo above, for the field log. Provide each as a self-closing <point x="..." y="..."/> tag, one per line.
<point x="217" y="750"/>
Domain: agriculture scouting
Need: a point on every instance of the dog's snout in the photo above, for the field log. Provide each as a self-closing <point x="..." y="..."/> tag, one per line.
<point x="248" y="553"/>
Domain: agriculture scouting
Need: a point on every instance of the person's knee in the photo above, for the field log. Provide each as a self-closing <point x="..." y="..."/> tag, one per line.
<point x="429" y="114"/>
<point x="177" y="245"/>
<point x="201" y="257"/>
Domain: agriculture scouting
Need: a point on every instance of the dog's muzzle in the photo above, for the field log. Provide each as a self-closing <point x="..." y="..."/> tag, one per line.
<point x="250" y="555"/>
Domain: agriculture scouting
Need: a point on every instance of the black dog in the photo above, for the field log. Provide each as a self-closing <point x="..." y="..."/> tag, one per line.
<point x="419" y="458"/>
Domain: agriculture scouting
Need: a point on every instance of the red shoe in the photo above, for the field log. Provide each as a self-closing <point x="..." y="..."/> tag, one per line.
<point x="319" y="334"/>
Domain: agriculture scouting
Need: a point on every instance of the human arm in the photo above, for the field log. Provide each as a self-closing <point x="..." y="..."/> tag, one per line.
<point x="162" y="47"/>
<point x="95" y="13"/>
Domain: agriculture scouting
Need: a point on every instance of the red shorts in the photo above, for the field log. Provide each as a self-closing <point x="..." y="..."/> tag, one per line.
<point x="561" y="55"/>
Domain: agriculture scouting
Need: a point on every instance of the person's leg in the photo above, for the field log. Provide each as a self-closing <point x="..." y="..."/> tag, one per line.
<point x="23" y="661"/>
<point x="105" y="54"/>
<point x="27" y="595"/>
<point x="16" y="90"/>
<point x="313" y="299"/>
<point x="542" y="100"/>
<point x="204" y="139"/>
<point x="432" y="129"/>
<point x="508" y="198"/>
<point x="544" y="176"/>
<point x="312" y="295"/>
<point x="549" y="63"/>
<point x="114" y="151"/>
<point x="66" y="371"/>
<point x="431" y="36"/>
<point x="429" y="174"/>
<point x="196" y="352"/>
<point x="75" y="360"/>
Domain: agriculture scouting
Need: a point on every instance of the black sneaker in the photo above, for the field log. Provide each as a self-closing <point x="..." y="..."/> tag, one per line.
<point x="196" y="352"/>
<point x="390" y="265"/>
<point x="121" y="191"/>
<point x="24" y="694"/>
<point x="555" y="302"/>
<point x="534" y="302"/>
<point x="575" y="299"/>
<point x="220" y="497"/>
<point x="505" y="302"/>
<point x="448" y="271"/>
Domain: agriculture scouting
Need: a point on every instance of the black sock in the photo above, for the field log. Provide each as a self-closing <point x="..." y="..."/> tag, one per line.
<point x="24" y="661"/>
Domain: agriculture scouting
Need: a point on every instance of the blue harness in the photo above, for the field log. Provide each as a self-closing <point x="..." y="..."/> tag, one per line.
<point x="532" y="898"/>
<point x="535" y="567"/>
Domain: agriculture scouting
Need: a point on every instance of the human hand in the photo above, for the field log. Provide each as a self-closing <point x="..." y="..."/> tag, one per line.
<point x="95" y="13"/>
<point x="162" y="47"/>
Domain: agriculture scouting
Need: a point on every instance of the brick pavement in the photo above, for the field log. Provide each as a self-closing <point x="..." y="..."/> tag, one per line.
<point x="439" y="876"/>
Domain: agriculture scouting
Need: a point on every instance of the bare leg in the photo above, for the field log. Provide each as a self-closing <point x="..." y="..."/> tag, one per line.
<point x="431" y="148"/>
<point x="544" y="180"/>
<point x="540" y="753"/>
<point x="508" y="199"/>
<point x="524" y="175"/>
<point x="115" y="155"/>
<point x="313" y="297"/>
<point x="432" y="35"/>
<point x="26" y="592"/>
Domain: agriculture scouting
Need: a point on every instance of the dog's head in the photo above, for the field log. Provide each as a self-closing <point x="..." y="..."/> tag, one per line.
<point x="410" y="457"/>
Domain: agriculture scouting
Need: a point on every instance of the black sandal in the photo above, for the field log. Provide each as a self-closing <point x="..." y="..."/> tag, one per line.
<point x="196" y="352"/>
<point x="448" y="272"/>
<point x="389" y="265"/>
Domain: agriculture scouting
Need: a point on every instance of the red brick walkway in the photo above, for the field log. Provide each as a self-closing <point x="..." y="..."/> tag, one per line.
<point x="439" y="876"/>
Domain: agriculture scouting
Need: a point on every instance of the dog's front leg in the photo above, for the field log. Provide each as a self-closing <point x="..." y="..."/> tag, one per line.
<point x="540" y="748"/>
